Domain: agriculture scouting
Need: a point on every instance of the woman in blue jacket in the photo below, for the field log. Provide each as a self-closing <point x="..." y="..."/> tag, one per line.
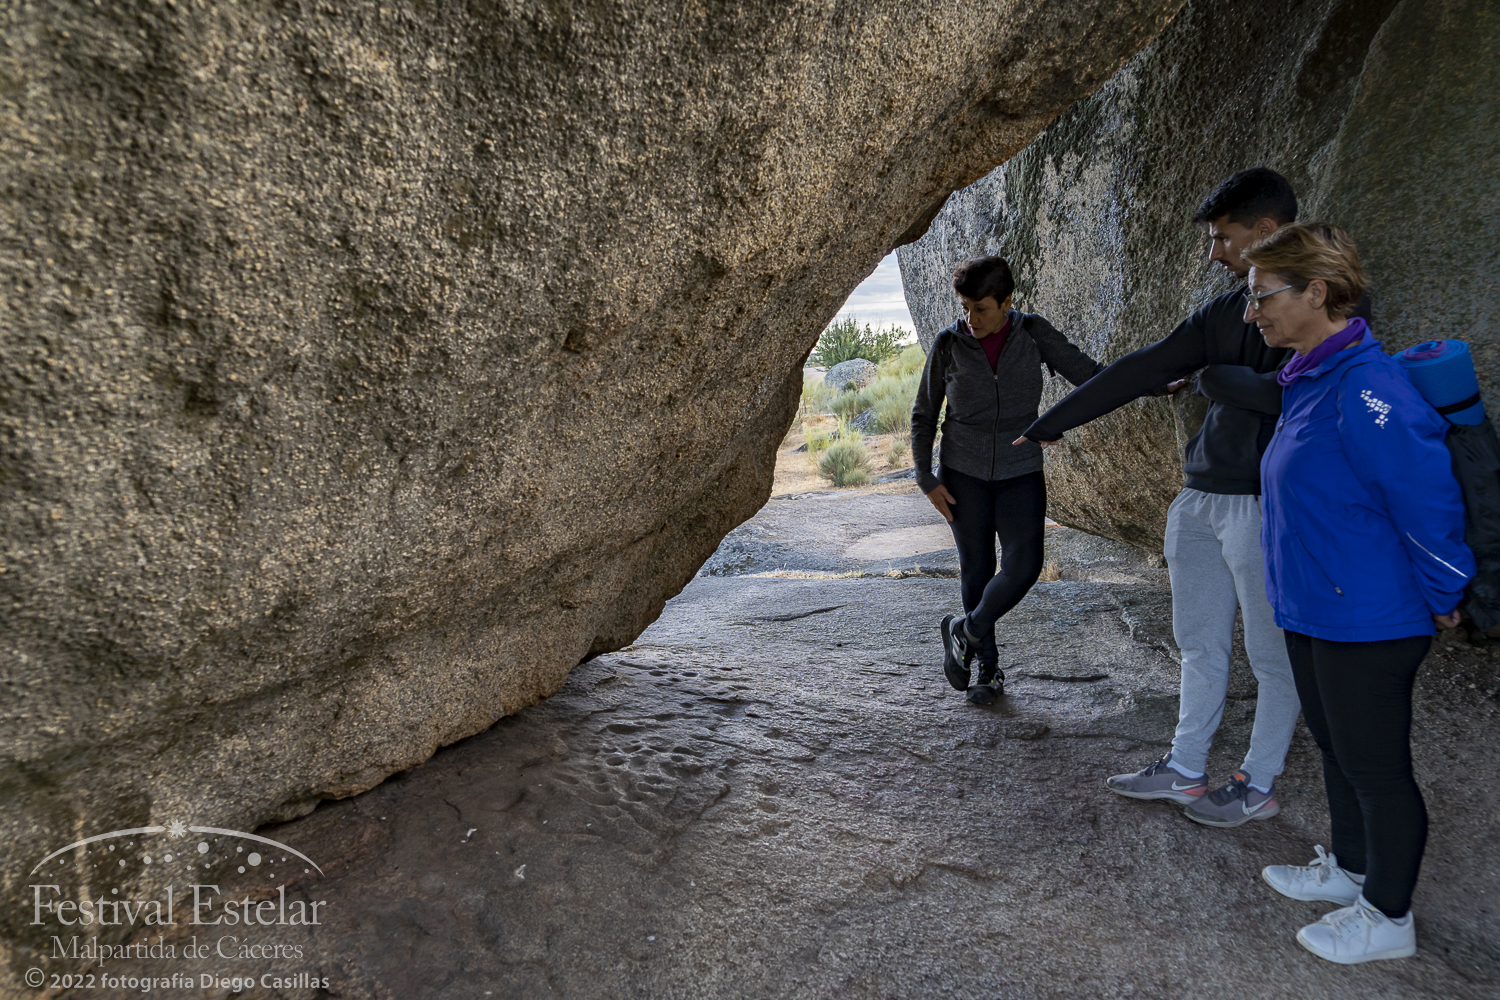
<point x="1363" y="536"/>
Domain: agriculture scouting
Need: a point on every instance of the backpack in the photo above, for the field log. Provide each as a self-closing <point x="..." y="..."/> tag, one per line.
<point x="1443" y="372"/>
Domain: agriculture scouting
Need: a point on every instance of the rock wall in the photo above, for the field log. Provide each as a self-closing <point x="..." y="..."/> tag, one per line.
<point x="365" y="367"/>
<point x="1384" y="116"/>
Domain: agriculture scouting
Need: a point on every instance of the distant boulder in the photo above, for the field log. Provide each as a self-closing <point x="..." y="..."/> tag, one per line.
<point x="855" y="373"/>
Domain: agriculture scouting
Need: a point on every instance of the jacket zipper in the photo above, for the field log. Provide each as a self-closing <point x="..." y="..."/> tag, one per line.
<point x="995" y="428"/>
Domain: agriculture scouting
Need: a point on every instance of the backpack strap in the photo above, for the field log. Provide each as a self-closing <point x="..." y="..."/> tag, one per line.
<point x="1462" y="404"/>
<point x="1019" y="325"/>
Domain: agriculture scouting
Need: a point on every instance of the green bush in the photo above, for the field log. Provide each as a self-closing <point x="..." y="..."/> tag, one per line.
<point x="893" y="414"/>
<point x="845" y="341"/>
<point x="845" y="462"/>
<point x="908" y="362"/>
<point x="901" y="386"/>
<point x="817" y="439"/>
<point x="850" y="404"/>
<point x="816" y="396"/>
<point x="895" y="451"/>
<point x="891" y="394"/>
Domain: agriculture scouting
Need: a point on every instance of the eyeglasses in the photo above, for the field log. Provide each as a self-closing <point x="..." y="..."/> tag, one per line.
<point x="1257" y="297"/>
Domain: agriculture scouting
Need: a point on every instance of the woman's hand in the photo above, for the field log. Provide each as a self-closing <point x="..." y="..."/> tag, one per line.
<point x="943" y="501"/>
<point x="1044" y="444"/>
<point x="1450" y="620"/>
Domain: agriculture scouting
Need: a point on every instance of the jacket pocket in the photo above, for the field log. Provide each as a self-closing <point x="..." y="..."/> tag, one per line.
<point x="1318" y="569"/>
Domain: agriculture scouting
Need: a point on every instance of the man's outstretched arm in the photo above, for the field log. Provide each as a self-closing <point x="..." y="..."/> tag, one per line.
<point x="1136" y="374"/>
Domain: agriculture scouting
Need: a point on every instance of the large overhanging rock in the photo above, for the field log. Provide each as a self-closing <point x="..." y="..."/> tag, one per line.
<point x="1383" y="115"/>
<point x="366" y="366"/>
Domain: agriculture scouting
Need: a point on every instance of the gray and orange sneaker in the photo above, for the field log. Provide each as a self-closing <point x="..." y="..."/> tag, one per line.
<point x="1234" y="803"/>
<point x="1157" y="780"/>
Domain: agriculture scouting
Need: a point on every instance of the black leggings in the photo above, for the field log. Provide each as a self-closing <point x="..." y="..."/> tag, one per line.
<point x="1015" y="510"/>
<point x="1356" y="698"/>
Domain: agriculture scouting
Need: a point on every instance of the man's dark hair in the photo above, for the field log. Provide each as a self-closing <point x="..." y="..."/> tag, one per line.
<point x="1249" y="196"/>
<point x="981" y="277"/>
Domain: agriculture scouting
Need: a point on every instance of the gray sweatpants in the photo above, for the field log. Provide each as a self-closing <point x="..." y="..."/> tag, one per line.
<point x="1215" y="563"/>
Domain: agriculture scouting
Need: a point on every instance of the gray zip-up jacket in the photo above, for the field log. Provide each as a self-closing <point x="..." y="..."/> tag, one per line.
<point x="987" y="410"/>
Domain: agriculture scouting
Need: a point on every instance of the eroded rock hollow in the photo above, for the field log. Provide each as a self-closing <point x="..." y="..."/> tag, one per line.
<point x="366" y="367"/>
<point x="1383" y="114"/>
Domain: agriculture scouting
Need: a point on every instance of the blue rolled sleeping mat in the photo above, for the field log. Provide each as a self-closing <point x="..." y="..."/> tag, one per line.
<point x="1443" y="372"/>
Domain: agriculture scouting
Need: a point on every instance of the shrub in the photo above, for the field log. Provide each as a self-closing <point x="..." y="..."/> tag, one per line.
<point x="845" y="341"/>
<point x="850" y="404"/>
<point x="893" y="415"/>
<point x="892" y="385"/>
<point x="816" y="397"/>
<point x="844" y="462"/>
<point x="818" y="438"/>
<point x="891" y="394"/>
<point x="895" y="452"/>
<point x="908" y="362"/>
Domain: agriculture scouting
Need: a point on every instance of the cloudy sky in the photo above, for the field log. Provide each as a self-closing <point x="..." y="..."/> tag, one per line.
<point x="879" y="300"/>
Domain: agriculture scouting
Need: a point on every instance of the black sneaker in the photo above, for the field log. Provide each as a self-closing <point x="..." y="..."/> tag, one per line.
<point x="990" y="684"/>
<point x="956" y="653"/>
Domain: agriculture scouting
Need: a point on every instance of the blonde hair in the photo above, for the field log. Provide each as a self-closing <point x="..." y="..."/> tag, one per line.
<point x="1305" y="252"/>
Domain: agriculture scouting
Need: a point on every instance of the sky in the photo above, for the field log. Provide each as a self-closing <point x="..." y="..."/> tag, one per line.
<point x="879" y="299"/>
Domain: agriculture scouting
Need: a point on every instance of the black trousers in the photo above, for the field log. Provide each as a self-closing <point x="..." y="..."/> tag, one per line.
<point x="1356" y="700"/>
<point x="1015" y="511"/>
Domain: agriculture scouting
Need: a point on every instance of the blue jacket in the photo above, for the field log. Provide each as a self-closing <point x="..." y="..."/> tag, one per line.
<point x="1363" y="526"/>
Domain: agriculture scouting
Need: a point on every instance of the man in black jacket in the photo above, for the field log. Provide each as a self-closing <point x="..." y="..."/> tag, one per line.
<point x="1213" y="527"/>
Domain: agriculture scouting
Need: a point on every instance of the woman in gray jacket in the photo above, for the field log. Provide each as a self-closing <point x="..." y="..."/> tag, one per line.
<point x="988" y="366"/>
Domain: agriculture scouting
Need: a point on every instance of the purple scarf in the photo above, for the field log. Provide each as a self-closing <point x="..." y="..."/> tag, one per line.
<point x="1350" y="334"/>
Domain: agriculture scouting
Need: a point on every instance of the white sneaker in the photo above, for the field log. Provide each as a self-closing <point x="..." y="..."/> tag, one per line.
<point x="1321" y="880"/>
<point x="1360" y="933"/>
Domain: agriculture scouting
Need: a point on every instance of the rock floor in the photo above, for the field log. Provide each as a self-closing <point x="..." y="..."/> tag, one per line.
<point x="774" y="793"/>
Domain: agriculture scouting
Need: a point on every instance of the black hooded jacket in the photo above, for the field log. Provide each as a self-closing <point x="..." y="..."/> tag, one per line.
<point x="987" y="410"/>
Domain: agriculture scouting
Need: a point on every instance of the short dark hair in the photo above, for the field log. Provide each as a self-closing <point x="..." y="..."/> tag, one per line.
<point x="982" y="277"/>
<point x="1249" y="196"/>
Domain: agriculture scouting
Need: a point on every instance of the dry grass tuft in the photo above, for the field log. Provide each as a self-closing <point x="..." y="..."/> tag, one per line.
<point x="844" y="463"/>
